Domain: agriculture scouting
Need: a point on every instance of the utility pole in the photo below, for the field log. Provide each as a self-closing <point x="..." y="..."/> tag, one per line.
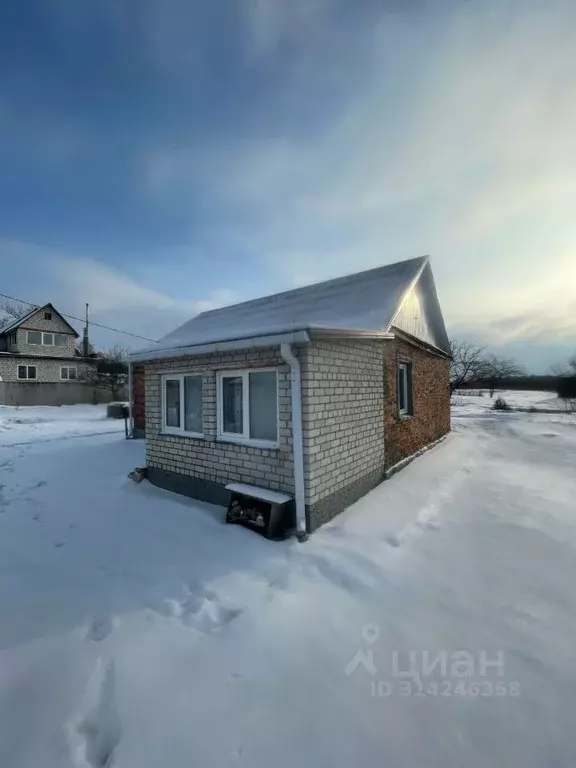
<point x="86" y="340"/>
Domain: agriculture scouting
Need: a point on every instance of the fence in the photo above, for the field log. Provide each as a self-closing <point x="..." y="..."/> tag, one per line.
<point x="25" y="393"/>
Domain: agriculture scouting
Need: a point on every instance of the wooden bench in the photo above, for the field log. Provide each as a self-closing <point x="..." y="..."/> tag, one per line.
<point x="258" y="508"/>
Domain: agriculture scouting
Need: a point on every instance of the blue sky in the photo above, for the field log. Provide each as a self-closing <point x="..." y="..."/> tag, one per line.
<point x="160" y="157"/>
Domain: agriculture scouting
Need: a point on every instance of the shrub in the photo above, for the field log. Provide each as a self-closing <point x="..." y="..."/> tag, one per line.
<point x="566" y="387"/>
<point x="501" y="405"/>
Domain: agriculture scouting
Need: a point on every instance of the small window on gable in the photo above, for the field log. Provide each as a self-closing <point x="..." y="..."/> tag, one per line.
<point x="47" y="315"/>
<point x="405" y="394"/>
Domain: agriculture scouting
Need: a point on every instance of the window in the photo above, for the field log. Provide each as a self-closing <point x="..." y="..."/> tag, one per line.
<point x="12" y="340"/>
<point x="248" y="407"/>
<point x="405" y="399"/>
<point x="46" y="339"/>
<point x="182" y="404"/>
<point x="68" y="373"/>
<point x="34" y="337"/>
<point x="47" y="315"/>
<point x="26" y="371"/>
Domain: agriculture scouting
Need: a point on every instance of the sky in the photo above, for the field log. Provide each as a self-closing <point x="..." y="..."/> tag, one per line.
<point x="162" y="157"/>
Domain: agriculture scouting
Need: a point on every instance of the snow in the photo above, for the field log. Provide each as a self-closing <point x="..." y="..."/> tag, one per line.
<point x="137" y="630"/>
<point x="363" y="301"/>
<point x="477" y="405"/>
<point x="42" y="422"/>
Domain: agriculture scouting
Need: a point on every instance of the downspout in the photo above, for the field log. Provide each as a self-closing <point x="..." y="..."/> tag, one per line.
<point x="130" y="409"/>
<point x="297" y="440"/>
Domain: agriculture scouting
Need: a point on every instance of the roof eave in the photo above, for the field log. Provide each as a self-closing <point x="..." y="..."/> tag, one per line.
<point x="294" y="337"/>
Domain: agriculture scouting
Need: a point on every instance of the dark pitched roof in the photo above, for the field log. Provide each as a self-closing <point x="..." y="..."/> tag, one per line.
<point x="17" y="323"/>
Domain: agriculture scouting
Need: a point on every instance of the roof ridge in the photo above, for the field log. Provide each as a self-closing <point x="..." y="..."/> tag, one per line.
<point x="330" y="281"/>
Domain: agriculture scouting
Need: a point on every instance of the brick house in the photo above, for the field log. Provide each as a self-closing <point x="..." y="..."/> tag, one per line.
<point x="318" y="392"/>
<point x="39" y="364"/>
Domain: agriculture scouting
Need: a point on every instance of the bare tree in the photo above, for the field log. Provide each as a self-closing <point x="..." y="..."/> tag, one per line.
<point x="496" y="369"/>
<point x="467" y="363"/>
<point x="12" y="311"/>
<point x="110" y="370"/>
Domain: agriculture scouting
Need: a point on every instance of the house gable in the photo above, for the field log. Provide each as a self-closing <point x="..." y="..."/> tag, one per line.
<point x="419" y="313"/>
<point x="38" y="332"/>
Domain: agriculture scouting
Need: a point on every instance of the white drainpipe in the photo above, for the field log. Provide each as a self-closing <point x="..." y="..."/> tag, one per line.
<point x="130" y="411"/>
<point x="297" y="444"/>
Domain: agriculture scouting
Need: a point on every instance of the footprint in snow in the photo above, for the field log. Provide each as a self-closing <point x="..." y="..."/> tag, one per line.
<point x="96" y="733"/>
<point x="99" y="629"/>
<point x="202" y="609"/>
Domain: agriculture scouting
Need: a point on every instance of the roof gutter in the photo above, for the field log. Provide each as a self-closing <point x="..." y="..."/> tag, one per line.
<point x="297" y="337"/>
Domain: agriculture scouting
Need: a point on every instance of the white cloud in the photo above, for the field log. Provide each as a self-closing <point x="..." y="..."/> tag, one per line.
<point x="115" y="299"/>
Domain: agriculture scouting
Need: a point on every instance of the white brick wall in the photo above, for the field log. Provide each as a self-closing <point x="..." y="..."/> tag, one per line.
<point x="38" y="323"/>
<point x="343" y="409"/>
<point x="46" y="370"/>
<point x="208" y="458"/>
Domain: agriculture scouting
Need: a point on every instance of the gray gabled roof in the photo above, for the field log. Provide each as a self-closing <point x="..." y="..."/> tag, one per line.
<point x="17" y="323"/>
<point x="359" y="303"/>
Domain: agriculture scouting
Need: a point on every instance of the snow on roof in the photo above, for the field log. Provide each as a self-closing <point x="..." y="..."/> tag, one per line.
<point x="365" y="301"/>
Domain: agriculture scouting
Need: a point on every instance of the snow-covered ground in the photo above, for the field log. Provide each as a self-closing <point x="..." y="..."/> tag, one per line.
<point x="477" y="404"/>
<point x="138" y="631"/>
<point x="42" y="422"/>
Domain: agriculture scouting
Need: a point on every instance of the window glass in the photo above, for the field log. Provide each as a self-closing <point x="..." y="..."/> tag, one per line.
<point x="72" y="373"/>
<point x="60" y="339"/>
<point x="48" y="339"/>
<point x="34" y="337"/>
<point x="402" y="388"/>
<point x="263" y="406"/>
<point x="31" y="371"/>
<point x="232" y="409"/>
<point x="193" y="404"/>
<point x="172" y="402"/>
<point x="21" y="371"/>
<point x="63" y="373"/>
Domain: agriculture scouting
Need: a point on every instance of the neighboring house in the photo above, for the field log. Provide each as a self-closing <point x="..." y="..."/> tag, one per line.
<point x="39" y="364"/>
<point x="317" y="392"/>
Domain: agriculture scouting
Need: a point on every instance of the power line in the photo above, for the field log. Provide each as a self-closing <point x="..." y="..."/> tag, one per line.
<point x="81" y="320"/>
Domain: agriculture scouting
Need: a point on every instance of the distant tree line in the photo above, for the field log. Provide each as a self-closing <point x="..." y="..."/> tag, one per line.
<point x="473" y="368"/>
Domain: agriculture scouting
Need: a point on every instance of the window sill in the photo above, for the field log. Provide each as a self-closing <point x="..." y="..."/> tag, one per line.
<point x="405" y="416"/>
<point x="181" y="433"/>
<point x="247" y="443"/>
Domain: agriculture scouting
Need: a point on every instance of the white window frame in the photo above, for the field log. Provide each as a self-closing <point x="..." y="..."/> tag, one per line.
<point x="244" y="438"/>
<point x="43" y="334"/>
<point x="68" y="368"/>
<point x="180" y="430"/>
<point x="26" y="378"/>
<point x="405" y="366"/>
<point x="34" y="343"/>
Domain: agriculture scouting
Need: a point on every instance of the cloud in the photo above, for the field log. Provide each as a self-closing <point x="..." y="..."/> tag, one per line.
<point x="457" y="138"/>
<point x="115" y="299"/>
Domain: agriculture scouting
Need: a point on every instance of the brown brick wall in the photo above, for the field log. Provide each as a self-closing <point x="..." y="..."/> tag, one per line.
<point x="139" y="396"/>
<point x="431" y="387"/>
